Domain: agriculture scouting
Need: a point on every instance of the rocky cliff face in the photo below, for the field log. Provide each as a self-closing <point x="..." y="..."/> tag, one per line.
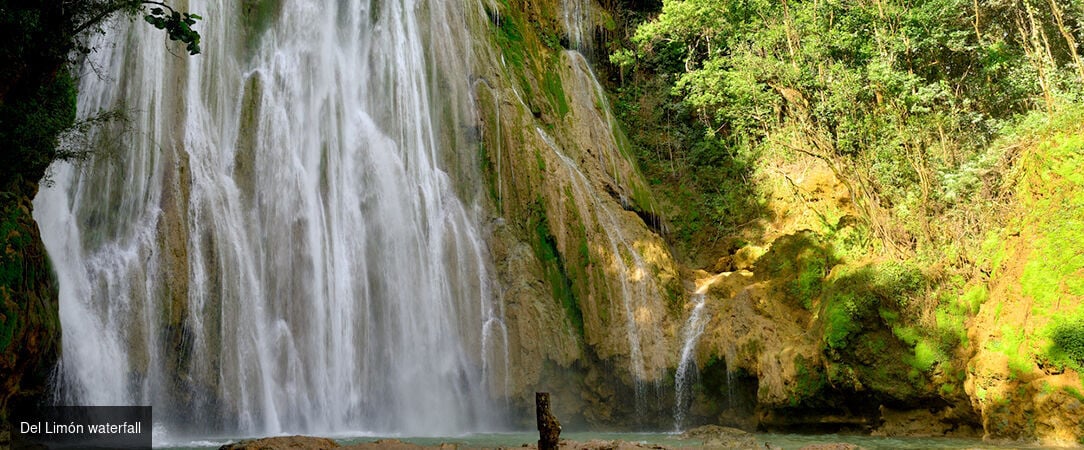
<point x="29" y="319"/>
<point x="593" y="293"/>
<point x="1024" y="364"/>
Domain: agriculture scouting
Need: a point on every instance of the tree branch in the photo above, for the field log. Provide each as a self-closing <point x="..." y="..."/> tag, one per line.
<point x="98" y="18"/>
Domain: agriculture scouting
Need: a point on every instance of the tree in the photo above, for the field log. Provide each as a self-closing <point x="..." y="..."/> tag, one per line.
<point x="893" y="95"/>
<point x="177" y="24"/>
<point x="38" y="42"/>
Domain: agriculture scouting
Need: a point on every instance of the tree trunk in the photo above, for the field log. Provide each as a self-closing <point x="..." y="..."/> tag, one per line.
<point x="549" y="429"/>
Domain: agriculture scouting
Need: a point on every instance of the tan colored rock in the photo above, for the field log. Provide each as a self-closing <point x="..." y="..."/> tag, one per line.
<point x="1015" y="397"/>
<point x="833" y="446"/>
<point x="747" y="256"/>
<point x="714" y="436"/>
<point x="283" y="443"/>
<point x="923" y="423"/>
<point x="566" y="192"/>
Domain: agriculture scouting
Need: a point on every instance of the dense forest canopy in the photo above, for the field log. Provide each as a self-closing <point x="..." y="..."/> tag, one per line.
<point x="945" y="119"/>
<point x="894" y="95"/>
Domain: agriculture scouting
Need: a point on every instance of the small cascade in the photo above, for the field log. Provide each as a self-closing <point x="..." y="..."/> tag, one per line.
<point x="687" y="369"/>
<point x="638" y="290"/>
<point x="730" y="357"/>
<point x="577" y="15"/>
<point x="601" y="99"/>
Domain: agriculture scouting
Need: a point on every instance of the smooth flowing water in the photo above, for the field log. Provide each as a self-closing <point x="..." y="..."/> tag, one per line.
<point x="687" y="368"/>
<point x="576" y="15"/>
<point x="279" y="245"/>
<point x="637" y="291"/>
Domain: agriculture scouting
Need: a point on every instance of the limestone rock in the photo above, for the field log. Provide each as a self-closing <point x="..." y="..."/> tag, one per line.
<point x="833" y="446"/>
<point x="747" y="256"/>
<point x="283" y="443"/>
<point x="714" y="436"/>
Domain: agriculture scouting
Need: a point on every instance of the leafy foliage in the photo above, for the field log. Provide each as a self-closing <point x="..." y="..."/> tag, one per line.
<point x="178" y="26"/>
<point x="1067" y="339"/>
<point x="30" y="127"/>
<point x="859" y="296"/>
<point x="37" y="92"/>
<point x="901" y="98"/>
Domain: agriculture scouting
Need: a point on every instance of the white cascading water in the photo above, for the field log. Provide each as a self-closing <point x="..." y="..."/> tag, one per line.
<point x="276" y="246"/>
<point x="638" y="290"/>
<point x="576" y="15"/>
<point x="686" y="373"/>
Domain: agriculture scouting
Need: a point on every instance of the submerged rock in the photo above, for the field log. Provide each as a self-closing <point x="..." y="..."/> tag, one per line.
<point x="714" y="436"/>
<point x="283" y="443"/>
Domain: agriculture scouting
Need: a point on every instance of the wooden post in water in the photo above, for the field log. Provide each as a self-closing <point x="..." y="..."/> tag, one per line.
<point x="549" y="429"/>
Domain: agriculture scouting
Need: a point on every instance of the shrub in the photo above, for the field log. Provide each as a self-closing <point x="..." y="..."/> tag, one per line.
<point x="1067" y="342"/>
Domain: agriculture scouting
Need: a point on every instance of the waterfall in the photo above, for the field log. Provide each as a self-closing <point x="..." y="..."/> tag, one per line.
<point x="274" y="243"/>
<point x="576" y="15"/>
<point x="687" y="368"/>
<point x="638" y="290"/>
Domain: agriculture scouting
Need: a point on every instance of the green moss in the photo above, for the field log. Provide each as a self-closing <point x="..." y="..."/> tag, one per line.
<point x="510" y="40"/>
<point x="1067" y="341"/>
<point x="1011" y="344"/>
<point x="1074" y="392"/>
<point x="974" y="298"/>
<point x="551" y="41"/>
<point x="947" y="389"/>
<point x="840" y="321"/>
<point x="15" y="242"/>
<point x="950" y="325"/>
<point x="1053" y="195"/>
<point x="555" y="91"/>
<point x="926" y="354"/>
<point x="802" y="260"/>
<point x="545" y="248"/>
<point x="907" y="335"/>
<point x="889" y="316"/>
<point x="21" y="274"/>
<point x="809" y="382"/>
<point x="993" y="252"/>
<point x="541" y="162"/>
<point x="808" y="283"/>
<point x="607" y="20"/>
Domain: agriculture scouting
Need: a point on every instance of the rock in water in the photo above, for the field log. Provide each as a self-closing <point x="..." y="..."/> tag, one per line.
<point x="714" y="436"/>
<point x="283" y="443"/>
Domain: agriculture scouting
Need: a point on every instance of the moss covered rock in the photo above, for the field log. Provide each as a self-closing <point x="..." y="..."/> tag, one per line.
<point x="29" y="311"/>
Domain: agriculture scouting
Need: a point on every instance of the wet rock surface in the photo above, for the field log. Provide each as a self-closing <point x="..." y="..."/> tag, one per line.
<point x="29" y="310"/>
<point x="714" y="436"/>
<point x="283" y="443"/>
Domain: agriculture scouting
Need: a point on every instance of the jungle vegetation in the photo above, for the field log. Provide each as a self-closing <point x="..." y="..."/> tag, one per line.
<point x="947" y="120"/>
